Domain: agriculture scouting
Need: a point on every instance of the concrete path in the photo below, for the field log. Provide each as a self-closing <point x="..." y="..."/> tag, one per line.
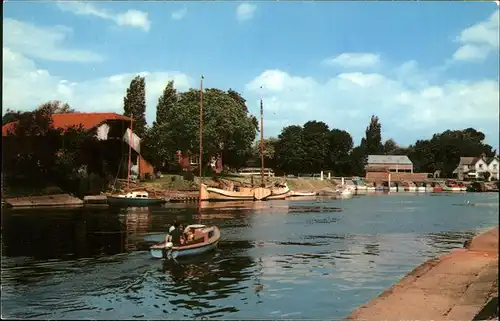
<point x="453" y="287"/>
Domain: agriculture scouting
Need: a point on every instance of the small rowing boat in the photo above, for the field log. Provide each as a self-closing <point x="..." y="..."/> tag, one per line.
<point x="205" y="239"/>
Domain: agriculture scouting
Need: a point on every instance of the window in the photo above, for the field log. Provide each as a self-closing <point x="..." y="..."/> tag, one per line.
<point x="480" y="166"/>
<point x="495" y="166"/>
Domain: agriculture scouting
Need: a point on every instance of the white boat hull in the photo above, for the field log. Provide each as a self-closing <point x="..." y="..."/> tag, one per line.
<point x="159" y="251"/>
<point x="429" y="189"/>
<point x="393" y="189"/>
<point x="370" y="189"/>
<point x="421" y="189"/>
<point x="411" y="189"/>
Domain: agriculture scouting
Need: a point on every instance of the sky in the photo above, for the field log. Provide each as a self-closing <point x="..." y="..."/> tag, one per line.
<point x="421" y="67"/>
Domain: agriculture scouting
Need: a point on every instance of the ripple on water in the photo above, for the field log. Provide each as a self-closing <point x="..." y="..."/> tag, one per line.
<point x="293" y="261"/>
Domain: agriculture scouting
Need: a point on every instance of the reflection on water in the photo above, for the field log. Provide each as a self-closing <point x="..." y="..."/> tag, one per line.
<point x="286" y="259"/>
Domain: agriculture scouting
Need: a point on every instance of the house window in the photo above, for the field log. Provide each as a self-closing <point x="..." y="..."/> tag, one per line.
<point x="481" y="166"/>
<point x="495" y="166"/>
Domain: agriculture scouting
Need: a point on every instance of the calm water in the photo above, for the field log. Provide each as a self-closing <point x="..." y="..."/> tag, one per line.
<point x="300" y="259"/>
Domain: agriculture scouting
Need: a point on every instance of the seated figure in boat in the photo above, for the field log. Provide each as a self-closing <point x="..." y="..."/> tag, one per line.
<point x="176" y="235"/>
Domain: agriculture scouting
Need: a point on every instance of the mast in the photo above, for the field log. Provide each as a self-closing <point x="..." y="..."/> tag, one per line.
<point x="261" y="144"/>
<point x="201" y="133"/>
<point x="129" y="154"/>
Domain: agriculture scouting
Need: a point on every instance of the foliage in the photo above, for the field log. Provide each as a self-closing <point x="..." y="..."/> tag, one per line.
<point x="443" y="150"/>
<point x="227" y="128"/>
<point x="166" y="102"/>
<point x="340" y="146"/>
<point x="372" y="142"/>
<point x="56" y="107"/>
<point x="10" y="116"/>
<point x="37" y="154"/>
<point x="269" y="152"/>
<point x="290" y="150"/>
<point x="134" y="104"/>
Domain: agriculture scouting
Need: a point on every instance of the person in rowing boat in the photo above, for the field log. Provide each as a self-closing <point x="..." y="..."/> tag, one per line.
<point x="176" y="234"/>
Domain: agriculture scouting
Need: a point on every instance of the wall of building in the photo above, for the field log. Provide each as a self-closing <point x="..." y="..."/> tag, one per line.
<point x="381" y="176"/>
<point x="145" y="167"/>
<point x="391" y="166"/>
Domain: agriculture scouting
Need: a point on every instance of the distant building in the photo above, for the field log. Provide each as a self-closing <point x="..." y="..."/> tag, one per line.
<point x="476" y="167"/>
<point x="110" y="127"/>
<point x="390" y="163"/>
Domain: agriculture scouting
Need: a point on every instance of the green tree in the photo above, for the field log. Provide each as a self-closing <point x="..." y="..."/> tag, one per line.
<point x="134" y="104"/>
<point x="269" y="153"/>
<point x="289" y="150"/>
<point x="372" y="142"/>
<point x="443" y="150"/>
<point x="228" y="130"/>
<point x="166" y="102"/>
<point x="390" y="147"/>
<point x="56" y="107"/>
<point x="340" y="147"/>
<point x="316" y="136"/>
<point x="10" y="116"/>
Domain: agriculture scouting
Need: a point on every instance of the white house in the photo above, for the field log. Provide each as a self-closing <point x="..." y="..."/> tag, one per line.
<point x="471" y="168"/>
<point x="493" y="168"/>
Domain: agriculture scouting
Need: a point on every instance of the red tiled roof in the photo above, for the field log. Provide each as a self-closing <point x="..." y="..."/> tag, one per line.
<point x="87" y="120"/>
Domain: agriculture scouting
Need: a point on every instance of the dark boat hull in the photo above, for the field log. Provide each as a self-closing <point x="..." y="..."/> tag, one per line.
<point x="130" y="201"/>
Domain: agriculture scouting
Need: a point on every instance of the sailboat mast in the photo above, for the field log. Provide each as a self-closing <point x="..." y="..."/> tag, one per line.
<point x="129" y="154"/>
<point x="201" y="132"/>
<point x="261" y="144"/>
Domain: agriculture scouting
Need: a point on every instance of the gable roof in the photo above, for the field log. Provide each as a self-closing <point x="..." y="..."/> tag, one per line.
<point x="87" y="120"/>
<point x="490" y="159"/>
<point x="389" y="159"/>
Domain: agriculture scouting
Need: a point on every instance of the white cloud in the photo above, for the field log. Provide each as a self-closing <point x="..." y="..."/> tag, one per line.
<point x="405" y="105"/>
<point x="353" y="60"/>
<point x="179" y="14"/>
<point x="25" y="86"/>
<point x="245" y="11"/>
<point x="43" y="42"/>
<point x="130" y="18"/>
<point x="479" y="40"/>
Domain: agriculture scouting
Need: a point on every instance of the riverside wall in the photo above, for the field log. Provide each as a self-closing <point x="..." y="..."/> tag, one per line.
<point x="455" y="286"/>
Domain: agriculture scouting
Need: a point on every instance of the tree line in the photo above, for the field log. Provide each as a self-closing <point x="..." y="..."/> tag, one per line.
<point x="230" y="132"/>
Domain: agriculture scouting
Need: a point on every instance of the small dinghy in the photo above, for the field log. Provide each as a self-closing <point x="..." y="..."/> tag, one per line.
<point x="205" y="239"/>
<point x="298" y="194"/>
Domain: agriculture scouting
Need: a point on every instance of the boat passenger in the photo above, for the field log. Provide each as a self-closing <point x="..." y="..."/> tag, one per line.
<point x="176" y="235"/>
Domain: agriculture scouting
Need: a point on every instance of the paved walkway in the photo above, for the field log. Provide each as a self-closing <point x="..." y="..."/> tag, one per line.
<point x="454" y="286"/>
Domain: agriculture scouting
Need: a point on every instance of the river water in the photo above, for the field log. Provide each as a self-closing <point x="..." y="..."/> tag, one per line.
<point x="285" y="259"/>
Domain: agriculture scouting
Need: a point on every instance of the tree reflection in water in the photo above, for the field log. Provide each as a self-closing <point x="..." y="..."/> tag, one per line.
<point x="197" y="283"/>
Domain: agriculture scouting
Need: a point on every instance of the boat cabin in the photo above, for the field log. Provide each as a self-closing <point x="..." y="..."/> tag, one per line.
<point x="136" y="195"/>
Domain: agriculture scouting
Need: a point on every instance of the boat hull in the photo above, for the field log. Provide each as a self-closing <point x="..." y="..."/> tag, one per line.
<point x="129" y="201"/>
<point x="429" y="189"/>
<point x="299" y="194"/>
<point x="187" y="250"/>
<point x="421" y="189"/>
<point x="216" y="194"/>
<point x="451" y="189"/>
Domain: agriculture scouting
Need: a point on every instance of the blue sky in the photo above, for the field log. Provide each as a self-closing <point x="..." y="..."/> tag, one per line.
<point x="422" y="67"/>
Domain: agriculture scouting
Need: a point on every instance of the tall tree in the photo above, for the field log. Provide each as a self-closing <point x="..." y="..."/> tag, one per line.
<point x="372" y="142"/>
<point x="290" y="151"/>
<point x="390" y="147"/>
<point x="166" y="102"/>
<point x="228" y="130"/>
<point x="316" y="136"/>
<point x="134" y="104"/>
<point x="340" y="146"/>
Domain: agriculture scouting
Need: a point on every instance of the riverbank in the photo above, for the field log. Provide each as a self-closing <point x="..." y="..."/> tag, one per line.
<point x="455" y="286"/>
